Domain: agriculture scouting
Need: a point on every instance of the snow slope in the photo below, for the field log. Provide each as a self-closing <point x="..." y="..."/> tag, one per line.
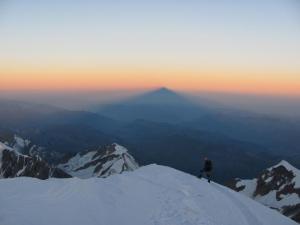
<point x="150" y="195"/>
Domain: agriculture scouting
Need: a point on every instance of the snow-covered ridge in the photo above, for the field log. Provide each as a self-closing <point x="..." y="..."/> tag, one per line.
<point x="103" y="162"/>
<point x="108" y="160"/>
<point x="4" y="147"/>
<point x="26" y="147"/>
<point x="277" y="187"/>
<point x="150" y="195"/>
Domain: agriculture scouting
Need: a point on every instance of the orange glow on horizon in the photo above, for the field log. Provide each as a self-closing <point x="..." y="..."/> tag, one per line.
<point x="145" y="78"/>
<point x="118" y="45"/>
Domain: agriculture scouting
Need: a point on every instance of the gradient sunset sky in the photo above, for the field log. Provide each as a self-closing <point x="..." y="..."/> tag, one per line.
<point x="232" y="46"/>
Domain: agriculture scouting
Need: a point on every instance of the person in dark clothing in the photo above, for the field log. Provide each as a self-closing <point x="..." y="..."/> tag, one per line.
<point x="207" y="169"/>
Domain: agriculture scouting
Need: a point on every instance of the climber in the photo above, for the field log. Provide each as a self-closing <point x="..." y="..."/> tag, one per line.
<point x="207" y="169"/>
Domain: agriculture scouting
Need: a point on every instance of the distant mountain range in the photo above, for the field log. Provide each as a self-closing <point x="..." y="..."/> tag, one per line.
<point x="161" y="126"/>
<point x="277" y="187"/>
<point x="106" y="161"/>
<point x="15" y="164"/>
<point x="280" y="135"/>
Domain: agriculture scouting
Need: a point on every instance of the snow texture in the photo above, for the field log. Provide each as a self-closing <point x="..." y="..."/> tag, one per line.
<point x="150" y="195"/>
<point x="250" y="186"/>
<point x="5" y="147"/>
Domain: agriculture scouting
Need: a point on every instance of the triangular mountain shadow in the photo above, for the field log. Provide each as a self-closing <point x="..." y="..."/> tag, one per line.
<point x="160" y="96"/>
<point x="160" y="105"/>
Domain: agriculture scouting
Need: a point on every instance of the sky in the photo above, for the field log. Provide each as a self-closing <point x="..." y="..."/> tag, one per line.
<point x="192" y="45"/>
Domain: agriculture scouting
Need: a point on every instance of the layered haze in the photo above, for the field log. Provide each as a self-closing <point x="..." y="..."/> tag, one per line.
<point x="282" y="106"/>
<point x="75" y="75"/>
<point x="160" y="126"/>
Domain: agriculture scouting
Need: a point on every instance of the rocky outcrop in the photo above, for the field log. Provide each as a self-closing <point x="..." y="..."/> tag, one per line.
<point x="27" y="147"/>
<point x="20" y="157"/>
<point x="15" y="164"/>
<point x="277" y="187"/>
<point x="107" y="160"/>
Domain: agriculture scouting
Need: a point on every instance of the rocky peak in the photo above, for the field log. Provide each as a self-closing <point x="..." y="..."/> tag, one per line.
<point x="277" y="187"/>
<point x="15" y="164"/>
<point x="280" y="178"/>
<point x="105" y="161"/>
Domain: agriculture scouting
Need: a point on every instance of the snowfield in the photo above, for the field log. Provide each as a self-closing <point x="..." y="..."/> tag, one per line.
<point x="150" y="195"/>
